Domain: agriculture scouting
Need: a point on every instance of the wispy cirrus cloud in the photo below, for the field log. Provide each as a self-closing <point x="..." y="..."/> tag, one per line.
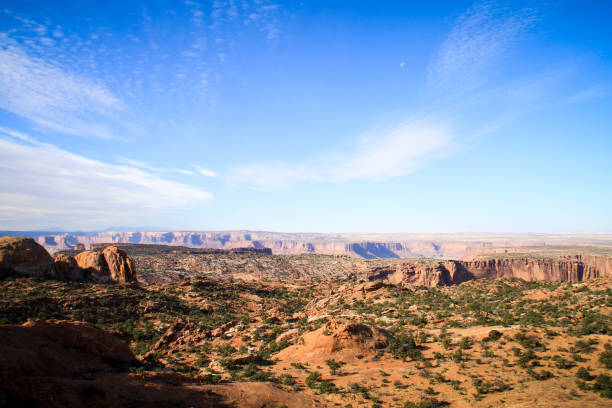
<point x="479" y="38"/>
<point x="54" y="98"/>
<point x="379" y="156"/>
<point x="197" y="170"/>
<point x="205" y="172"/>
<point x="40" y="182"/>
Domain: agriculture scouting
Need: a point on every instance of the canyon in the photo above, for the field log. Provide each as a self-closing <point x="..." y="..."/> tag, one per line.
<point x="358" y="245"/>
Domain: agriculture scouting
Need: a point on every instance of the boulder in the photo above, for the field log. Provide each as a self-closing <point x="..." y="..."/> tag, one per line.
<point x="94" y="265"/>
<point x="339" y="338"/>
<point x="121" y="268"/>
<point x="219" y="331"/>
<point x="25" y="256"/>
<point x="110" y="265"/>
<point x="372" y="286"/>
<point x="66" y="268"/>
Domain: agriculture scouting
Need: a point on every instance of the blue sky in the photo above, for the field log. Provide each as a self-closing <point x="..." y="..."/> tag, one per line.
<point x="323" y="116"/>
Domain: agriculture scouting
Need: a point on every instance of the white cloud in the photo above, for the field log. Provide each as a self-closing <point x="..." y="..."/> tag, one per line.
<point x="480" y="36"/>
<point x="54" y="98"/>
<point x="137" y="163"/>
<point x="44" y="185"/>
<point x="379" y="156"/>
<point x="205" y="172"/>
<point x="185" y="172"/>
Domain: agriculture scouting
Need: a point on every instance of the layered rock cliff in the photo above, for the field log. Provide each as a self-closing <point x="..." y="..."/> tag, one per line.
<point x="575" y="268"/>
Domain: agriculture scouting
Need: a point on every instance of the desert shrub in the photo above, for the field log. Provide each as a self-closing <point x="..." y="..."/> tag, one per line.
<point x="530" y="342"/>
<point x="493" y="335"/>
<point x="226" y="350"/>
<point x="287" y="379"/>
<point x="562" y="363"/>
<point x="526" y="357"/>
<point x="488" y="387"/>
<point x="312" y="379"/>
<point x="328" y="387"/>
<point x="465" y="343"/>
<point x="358" y="389"/>
<point x="403" y="346"/>
<point x="603" y="384"/>
<point x="333" y="366"/>
<point x="605" y="357"/>
<point x="540" y="376"/>
<point x="426" y="403"/>
<point x="583" y="346"/>
<point x="594" y="323"/>
<point x="457" y="356"/>
<point x="584" y="374"/>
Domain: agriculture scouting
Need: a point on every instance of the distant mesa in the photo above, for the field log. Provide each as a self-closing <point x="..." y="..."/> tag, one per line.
<point x="355" y="245"/>
<point x="26" y="257"/>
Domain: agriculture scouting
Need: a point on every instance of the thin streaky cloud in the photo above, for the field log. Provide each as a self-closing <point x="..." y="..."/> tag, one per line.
<point x="53" y="98"/>
<point x="38" y="181"/>
<point x="205" y="172"/>
<point x="396" y="152"/>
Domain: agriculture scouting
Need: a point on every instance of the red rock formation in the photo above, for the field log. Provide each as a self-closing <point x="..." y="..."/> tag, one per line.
<point x="110" y="265"/>
<point x="338" y="337"/>
<point x="121" y="268"/>
<point x="67" y="268"/>
<point x="24" y="255"/>
<point x="430" y="274"/>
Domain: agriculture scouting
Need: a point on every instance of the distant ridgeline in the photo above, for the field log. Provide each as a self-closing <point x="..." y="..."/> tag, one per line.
<point x="356" y="245"/>
<point x="151" y="249"/>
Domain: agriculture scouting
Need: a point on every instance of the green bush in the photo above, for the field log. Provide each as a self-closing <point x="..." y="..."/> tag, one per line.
<point x="333" y="366"/>
<point x="584" y="374"/>
<point x="605" y="358"/>
<point x="328" y="387"/>
<point x="426" y="403"/>
<point x="312" y="379"/>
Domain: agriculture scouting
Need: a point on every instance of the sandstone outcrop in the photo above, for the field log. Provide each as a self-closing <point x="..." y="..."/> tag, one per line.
<point x="67" y="268"/>
<point x="25" y="256"/>
<point x="110" y="265"/>
<point x="427" y="274"/>
<point x="94" y="265"/>
<point x="70" y="364"/>
<point x="344" y="338"/>
<point x="59" y="349"/>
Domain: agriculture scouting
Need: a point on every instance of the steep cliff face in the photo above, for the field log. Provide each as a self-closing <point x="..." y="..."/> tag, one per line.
<point x="429" y="274"/>
<point x="573" y="269"/>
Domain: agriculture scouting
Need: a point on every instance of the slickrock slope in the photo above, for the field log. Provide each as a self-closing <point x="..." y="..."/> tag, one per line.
<point x="25" y="256"/>
<point x="337" y="339"/>
<point x="73" y="364"/>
